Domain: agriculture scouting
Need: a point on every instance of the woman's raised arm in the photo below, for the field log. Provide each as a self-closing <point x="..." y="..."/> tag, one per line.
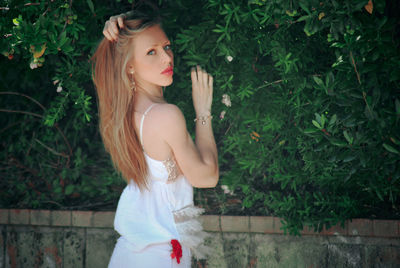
<point x="198" y="161"/>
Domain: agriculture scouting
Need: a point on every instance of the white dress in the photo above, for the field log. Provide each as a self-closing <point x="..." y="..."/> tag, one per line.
<point x="148" y="220"/>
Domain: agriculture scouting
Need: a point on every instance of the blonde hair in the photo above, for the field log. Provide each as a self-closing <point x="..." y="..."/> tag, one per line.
<point x="115" y="102"/>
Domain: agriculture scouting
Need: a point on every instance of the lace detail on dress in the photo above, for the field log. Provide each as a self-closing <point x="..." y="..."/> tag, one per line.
<point x="172" y="168"/>
<point x="191" y="230"/>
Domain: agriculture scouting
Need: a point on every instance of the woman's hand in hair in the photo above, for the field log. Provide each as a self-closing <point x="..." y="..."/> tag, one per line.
<point x="111" y="29"/>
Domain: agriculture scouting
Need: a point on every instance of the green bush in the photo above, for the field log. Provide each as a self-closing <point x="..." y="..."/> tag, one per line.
<point x="307" y="93"/>
<point x="51" y="152"/>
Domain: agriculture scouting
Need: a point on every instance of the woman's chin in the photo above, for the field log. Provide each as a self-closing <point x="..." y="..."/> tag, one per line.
<point x="168" y="83"/>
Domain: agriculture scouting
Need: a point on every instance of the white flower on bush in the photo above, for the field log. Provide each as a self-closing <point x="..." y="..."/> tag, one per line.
<point x="226" y="100"/>
<point x="222" y="114"/>
<point x="33" y="65"/>
<point x="229" y="58"/>
<point x="226" y="190"/>
<point x="59" y="88"/>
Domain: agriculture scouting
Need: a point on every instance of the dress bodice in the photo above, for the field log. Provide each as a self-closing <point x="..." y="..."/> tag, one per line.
<point x="180" y="189"/>
<point x="162" y="212"/>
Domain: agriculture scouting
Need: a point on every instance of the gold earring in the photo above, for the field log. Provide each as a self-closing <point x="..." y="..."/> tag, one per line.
<point x="132" y="80"/>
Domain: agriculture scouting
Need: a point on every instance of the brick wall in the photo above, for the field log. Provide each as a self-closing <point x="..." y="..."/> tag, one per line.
<point x="62" y="239"/>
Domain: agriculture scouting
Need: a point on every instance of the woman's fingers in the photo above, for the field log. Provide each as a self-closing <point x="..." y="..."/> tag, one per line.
<point x="121" y="21"/>
<point x="202" y="84"/>
<point x="205" y="78"/>
<point x="193" y="75"/>
<point x="111" y="29"/>
<point x="200" y="77"/>
<point x="200" y="74"/>
<point x="107" y="34"/>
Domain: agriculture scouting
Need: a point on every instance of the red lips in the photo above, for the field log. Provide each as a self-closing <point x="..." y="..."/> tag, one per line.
<point x="168" y="71"/>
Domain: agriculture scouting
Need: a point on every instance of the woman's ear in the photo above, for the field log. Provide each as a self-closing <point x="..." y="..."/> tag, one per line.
<point x="130" y="69"/>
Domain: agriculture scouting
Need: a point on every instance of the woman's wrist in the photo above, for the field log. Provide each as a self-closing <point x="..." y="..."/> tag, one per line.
<point x="203" y="113"/>
<point x="203" y="118"/>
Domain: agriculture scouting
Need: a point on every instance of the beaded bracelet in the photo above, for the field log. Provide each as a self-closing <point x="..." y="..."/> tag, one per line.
<point x="203" y="119"/>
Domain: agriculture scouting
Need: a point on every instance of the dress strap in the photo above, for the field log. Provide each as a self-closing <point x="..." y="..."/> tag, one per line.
<point x="141" y="123"/>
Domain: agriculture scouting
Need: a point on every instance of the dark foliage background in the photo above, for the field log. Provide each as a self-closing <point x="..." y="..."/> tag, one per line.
<point x="306" y="110"/>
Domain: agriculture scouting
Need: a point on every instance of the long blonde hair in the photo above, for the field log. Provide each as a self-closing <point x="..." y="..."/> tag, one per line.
<point x="115" y="102"/>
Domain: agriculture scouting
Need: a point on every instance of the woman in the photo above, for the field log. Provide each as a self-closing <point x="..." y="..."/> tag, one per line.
<point x="149" y="144"/>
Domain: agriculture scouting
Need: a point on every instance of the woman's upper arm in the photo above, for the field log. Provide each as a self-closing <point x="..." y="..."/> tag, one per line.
<point x="174" y="132"/>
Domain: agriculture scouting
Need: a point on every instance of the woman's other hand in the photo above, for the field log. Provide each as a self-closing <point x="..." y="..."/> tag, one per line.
<point x="111" y="29"/>
<point x="202" y="91"/>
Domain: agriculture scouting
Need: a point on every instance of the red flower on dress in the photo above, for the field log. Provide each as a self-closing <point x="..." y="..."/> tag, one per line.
<point x="176" y="250"/>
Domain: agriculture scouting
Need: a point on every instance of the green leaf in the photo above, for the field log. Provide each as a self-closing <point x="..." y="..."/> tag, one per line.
<point x="338" y="142"/>
<point x="219" y="29"/>
<point x="318" y="81"/>
<point x="69" y="189"/>
<point x="349" y="158"/>
<point x="348" y="138"/>
<point x="397" y="104"/>
<point x="15" y="21"/>
<point x="323" y="120"/>
<point x="390" y="148"/>
<point x="318" y="117"/>
<point x="310" y="130"/>
<point x="57" y="190"/>
<point x="329" y="79"/>
<point x="90" y="4"/>
<point x="315" y="123"/>
<point x="63" y="38"/>
<point x="303" y="18"/>
<point x="395" y="141"/>
<point x="333" y="120"/>
<point x="67" y="49"/>
<point x="304" y="7"/>
<point x="379" y="195"/>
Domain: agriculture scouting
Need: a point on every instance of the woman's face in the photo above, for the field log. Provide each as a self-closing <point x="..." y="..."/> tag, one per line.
<point x="152" y="58"/>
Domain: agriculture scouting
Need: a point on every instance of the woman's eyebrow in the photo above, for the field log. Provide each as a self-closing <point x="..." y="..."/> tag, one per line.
<point x="163" y="43"/>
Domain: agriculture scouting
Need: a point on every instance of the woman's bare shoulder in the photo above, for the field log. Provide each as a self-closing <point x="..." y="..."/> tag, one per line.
<point x="167" y="113"/>
<point x="167" y="122"/>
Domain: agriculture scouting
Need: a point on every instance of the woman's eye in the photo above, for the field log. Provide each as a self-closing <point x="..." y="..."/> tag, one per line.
<point x="151" y="52"/>
<point x="167" y="47"/>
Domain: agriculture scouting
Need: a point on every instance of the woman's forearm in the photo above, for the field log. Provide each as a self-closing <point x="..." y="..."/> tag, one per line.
<point x="206" y="145"/>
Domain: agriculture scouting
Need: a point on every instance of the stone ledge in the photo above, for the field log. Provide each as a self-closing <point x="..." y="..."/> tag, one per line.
<point x="61" y="218"/>
<point x="211" y="223"/>
<point x="238" y="224"/>
<point x="103" y="219"/>
<point x="19" y="216"/>
<point x="277" y="225"/>
<point x="360" y="227"/>
<point x="336" y="230"/>
<point x="4" y="216"/>
<point x="259" y="224"/>
<point x="82" y="218"/>
<point x="40" y="217"/>
<point x="385" y="228"/>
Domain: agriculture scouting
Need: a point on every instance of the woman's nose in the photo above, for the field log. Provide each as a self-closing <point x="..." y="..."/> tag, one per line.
<point x="167" y="57"/>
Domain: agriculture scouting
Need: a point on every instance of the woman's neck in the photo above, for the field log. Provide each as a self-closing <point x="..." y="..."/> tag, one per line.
<point x="154" y="95"/>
